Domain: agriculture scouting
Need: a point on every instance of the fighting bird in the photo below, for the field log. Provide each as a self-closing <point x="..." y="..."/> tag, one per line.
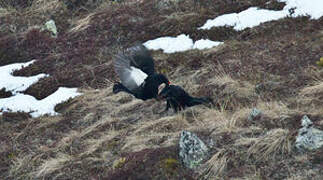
<point x="178" y="99"/>
<point x="136" y="70"/>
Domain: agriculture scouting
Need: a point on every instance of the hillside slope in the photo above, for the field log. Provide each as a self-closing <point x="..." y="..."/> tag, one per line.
<point x="100" y="135"/>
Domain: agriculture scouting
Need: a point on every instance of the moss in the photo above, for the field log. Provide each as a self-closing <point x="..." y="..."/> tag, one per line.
<point x="320" y="62"/>
<point x="112" y="145"/>
<point x="11" y="155"/>
<point x="119" y="163"/>
<point x="170" y="165"/>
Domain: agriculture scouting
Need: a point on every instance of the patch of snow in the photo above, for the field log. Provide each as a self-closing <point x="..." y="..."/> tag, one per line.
<point x="312" y="8"/>
<point x="247" y="18"/>
<point x="171" y="44"/>
<point x="205" y="44"/>
<point x="255" y="16"/>
<point x="17" y="84"/>
<point x="178" y="44"/>
<point x="27" y="103"/>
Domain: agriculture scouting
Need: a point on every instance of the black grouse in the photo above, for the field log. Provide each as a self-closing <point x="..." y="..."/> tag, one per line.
<point x="135" y="68"/>
<point x="178" y="99"/>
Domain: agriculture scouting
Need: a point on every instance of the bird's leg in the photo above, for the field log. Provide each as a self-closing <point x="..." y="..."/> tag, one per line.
<point x="174" y="104"/>
<point x="167" y="105"/>
<point x="182" y="106"/>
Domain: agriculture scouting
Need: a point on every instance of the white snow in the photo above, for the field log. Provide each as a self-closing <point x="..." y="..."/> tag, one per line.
<point x="254" y="16"/>
<point x="205" y="44"/>
<point x="27" y="103"/>
<point x="313" y="8"/>
<point x="15" y="83"/>
<point x="248" y="18"/>
<point x="171" y="44"/>
<point x="178" y="44"/>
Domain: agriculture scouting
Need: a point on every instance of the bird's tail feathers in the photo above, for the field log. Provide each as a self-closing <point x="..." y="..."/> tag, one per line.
<point x="201" y="100"/>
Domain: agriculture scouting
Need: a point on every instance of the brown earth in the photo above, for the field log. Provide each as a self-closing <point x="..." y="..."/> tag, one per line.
<point x="101" y="135"/>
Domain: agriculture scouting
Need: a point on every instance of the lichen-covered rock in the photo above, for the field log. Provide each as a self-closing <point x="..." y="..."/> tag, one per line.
<point x="50" y="26"/>
<point x="308" y="138"/>
<point x="254" y="113"/>
<point x="192" y="149"/>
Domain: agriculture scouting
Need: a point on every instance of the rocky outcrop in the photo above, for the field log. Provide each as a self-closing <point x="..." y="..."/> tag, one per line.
<point x="308" y="138"/>
<point x="192" y="149"/>
<point x="254" y="114"/>
<point x="51" y="27"/>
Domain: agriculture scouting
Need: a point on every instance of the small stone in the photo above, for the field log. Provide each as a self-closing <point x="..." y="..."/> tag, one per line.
<point x="192" y="149"/>
<point x="50" y="26"/>
<point x="254" y="113"/>
<point x="308" y="138"/>
<point x="306" y="122"/>
<point x="49" y="142"/>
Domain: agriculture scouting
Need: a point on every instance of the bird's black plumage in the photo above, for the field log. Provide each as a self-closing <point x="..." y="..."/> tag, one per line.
<point x="178" y="99"/>
<point x="135" y="68"/>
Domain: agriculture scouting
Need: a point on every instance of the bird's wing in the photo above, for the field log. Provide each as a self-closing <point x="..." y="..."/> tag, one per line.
<point x="141" y="59"/>
<point x="131" y="77"/>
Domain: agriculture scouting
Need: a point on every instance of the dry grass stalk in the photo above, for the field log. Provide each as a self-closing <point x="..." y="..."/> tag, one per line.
<point x="216" y="166"/>
<point x="276" y="141"/>
<point x="54" y="164"/>
<point x="313" y="91"/>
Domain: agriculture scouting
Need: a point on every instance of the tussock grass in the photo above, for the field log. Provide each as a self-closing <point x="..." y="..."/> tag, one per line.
<point x="314" y="91"/>
<point x="20" y="167"/>
<point x="82" y="24"/>
<point x="225" y="121"/>
<point x="216" y="166"/>
<point x="53" y="165"/>
<point x="274" y="142"/>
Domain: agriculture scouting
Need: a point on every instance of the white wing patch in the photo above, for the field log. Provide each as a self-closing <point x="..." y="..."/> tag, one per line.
<point x="137" y="75"/>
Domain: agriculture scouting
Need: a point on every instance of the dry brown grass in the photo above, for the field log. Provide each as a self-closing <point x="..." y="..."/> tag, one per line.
<point x="52" y="165"/>
<point x="315" y="90"/>
<point x="274" y="142"/>
<point x="97" y="129"/>
<point x="82" y="24"/>
<point x="216" y="166"/>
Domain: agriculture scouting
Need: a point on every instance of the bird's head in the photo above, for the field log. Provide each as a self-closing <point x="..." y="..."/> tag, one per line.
<point x="162" y="79"/>
<point x="163" y="84"/>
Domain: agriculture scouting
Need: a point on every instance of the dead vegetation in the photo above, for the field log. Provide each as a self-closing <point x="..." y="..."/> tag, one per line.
<point x="103" y="136"/>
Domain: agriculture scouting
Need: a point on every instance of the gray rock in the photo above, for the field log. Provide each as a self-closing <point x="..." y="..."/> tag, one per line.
<point x="192" y="149"/>
<point x="254" y="113"/>
<point x="308" y="138"/>
<point x="50" y="26"/>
